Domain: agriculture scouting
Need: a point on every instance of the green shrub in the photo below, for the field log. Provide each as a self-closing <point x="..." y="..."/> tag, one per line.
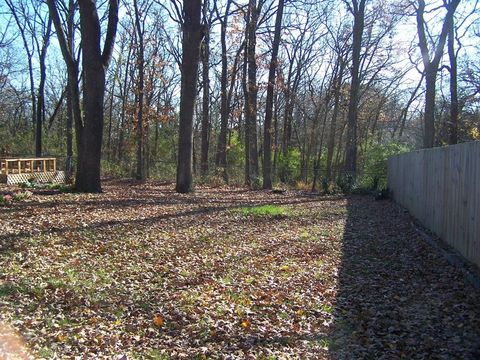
<point x="236" y="160"/>
<point x="22" y="195"/>
<point x="289" y="166"/>
<point x="256" y="182"/>
<point x="375" y="164"/>
<point x="29" y="184"/>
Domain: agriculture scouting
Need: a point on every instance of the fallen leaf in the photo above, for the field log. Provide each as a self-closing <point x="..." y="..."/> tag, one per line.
<point x="158" y="321"/>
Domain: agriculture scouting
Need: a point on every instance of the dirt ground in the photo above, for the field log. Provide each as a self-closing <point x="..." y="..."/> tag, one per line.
<point x="142" y="272"/>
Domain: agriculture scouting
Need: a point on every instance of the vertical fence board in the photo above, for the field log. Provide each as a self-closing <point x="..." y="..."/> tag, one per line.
<point x="441" y="188"/>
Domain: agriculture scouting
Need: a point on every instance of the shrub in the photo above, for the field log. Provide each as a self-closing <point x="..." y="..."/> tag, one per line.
<point x="375" y="164"/>
<point x="256" y="182"/>
<point x="289" y="166"/>
<point x="19" y="196"/>
<point x="5" y="199"/>
<point x="29" y="184"/>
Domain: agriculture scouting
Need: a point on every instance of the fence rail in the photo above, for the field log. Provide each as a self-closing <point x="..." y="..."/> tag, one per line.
<point x="27" y="165"/>
<point x="441" y="188"/>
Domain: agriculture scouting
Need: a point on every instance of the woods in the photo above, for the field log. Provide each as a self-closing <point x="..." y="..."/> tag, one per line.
<point x="263" y="93"/>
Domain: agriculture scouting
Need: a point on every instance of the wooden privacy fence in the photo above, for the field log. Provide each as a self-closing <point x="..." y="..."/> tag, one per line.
<point x="441" y="188"/>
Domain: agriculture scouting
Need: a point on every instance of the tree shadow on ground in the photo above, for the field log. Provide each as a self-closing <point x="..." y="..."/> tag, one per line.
<point x="397" y="297"/>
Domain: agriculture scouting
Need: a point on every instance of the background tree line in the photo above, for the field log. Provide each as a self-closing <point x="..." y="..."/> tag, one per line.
<point x="254" y="92"/>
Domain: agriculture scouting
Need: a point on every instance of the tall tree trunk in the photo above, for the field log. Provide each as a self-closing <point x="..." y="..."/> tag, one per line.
<point x="430" y="90"/>
<point x="288" y="112"/>
<point x="252" y="90"/>
<point x="72" y="95"/>
<point x="206" y="95"/>
<point x="110" y="118"/>
<point x="246" y="110"/>
<point x="339" y="150"/>
<point x="192" y="37"/>
<point x="351" y="147"/>
<point x="41" y="89"/>
<point x="333" y="123"/>
<point x="316" y="175"/>
<point x="67" y="45"/>
<point x="453" y="123"/>
<point x="125" y="88"/>
<point x="276" y="139"/>
<point x="140" y="173"/>
<point x="69" y="161"/>
<point x="267" y="132"/>
<point x="221" y="158"/>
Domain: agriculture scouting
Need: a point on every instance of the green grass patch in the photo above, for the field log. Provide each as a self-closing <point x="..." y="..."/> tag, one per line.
<point x="264" y="210"/>
<point x="7" y="289"/>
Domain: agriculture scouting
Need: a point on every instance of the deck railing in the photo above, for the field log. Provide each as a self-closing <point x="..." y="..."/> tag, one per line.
<point x="27" y="165"/>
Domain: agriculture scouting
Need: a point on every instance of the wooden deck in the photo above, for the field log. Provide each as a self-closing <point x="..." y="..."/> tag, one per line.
<point x="20" y="170"/>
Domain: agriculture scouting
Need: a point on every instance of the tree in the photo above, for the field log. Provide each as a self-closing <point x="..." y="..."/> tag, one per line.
<point x="205" y="54"/>
<point x="73" y="101"/>
<point x="358" y="11"/>
<point x="267" y="132"/>
<point x="221" y="158"/>
<point x="453" y="69"/>
<point x="89" y="129"/>
<point x="251" y="91"/>
<point x="337" y="86"/>
<point x="140" y="174"/>
<point x="431" y="64"/>
<point x="193" y="33"/>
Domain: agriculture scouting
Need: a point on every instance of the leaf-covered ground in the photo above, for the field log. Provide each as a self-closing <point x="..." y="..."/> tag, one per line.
<point x="144" y="272"/>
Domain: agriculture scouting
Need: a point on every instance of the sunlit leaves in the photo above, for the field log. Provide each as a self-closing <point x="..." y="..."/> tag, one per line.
<point x="143" y="271"/>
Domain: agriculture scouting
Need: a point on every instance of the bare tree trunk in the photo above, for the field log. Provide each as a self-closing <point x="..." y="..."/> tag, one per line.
<point x="339" y="150"/>
<point x="125" y="87"/>
<point x="333" y="123"/>
<point x="74" y="113"/>
<point x="221" y="158"/>
<point x="252" y="89"/>
<point x="192" y="37"/>
<point x="206" y="95"/>
<point x="316" y="175"/>
<point x="246" y="110"/>
<point x="430" y="85"/>
<point x="275" y="129"/>
<point x="41" y="89"/>
<point x="66" y="42"/>
<point x="351" y="147"/>
<point x="140" y="173"/>
<point x="453" y="123"/>
<point x="267" y="132"/>
<point x="110" y="119"/>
